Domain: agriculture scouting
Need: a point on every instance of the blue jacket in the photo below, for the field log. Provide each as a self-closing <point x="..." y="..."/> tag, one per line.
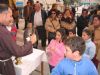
<point x="70" y="67"/>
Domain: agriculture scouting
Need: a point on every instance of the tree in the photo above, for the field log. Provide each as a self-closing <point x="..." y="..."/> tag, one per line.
<point x="66" y="2"/>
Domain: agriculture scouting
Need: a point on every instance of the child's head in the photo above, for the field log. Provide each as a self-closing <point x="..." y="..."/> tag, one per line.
<point x="29" y="25"/>
<point x="86" y="34"/>
<point x="71" y="32"/>
<point x="75" y="47"/>
<point x="60" y="33"/>
<point x="21" y="24"/>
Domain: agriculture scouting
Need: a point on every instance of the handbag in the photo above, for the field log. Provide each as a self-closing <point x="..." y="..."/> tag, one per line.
<point x="52" y="35"/>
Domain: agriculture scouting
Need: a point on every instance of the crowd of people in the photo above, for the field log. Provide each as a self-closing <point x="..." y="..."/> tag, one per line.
<point x="73" y="44"/>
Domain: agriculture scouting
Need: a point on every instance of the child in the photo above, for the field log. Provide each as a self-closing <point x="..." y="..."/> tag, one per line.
<point x="90" y="50"/>
<point x="20" y="32"/>
<point x="71" y="33"/>
<point x="74" y="63"/>
<point x="28" y="31"/>
<point x="56" y="49"/>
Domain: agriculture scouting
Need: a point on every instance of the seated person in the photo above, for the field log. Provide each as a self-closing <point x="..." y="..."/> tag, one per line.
<point x="74" y="63"/>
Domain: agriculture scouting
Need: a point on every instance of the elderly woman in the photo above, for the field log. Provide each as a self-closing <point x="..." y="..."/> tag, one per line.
<point x="67" y="21"/>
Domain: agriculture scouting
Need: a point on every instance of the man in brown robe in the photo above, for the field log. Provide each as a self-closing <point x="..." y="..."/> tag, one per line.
<point x="8" y="46"/>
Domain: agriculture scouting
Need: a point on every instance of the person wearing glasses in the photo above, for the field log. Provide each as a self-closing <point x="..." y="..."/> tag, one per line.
<point x="51" y="25"/>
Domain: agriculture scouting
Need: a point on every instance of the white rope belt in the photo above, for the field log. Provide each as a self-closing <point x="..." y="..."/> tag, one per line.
<point x="5" y="60"/>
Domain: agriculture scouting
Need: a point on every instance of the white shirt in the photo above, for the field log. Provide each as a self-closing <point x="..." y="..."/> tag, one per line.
<point x="38" y="19"/>
<point x="9" y="28"/>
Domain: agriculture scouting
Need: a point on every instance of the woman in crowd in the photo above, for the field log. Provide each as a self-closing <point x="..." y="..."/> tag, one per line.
<point x="67" y="20"/>
<point x="95" y="27"/>
<point x="51" y="25"/>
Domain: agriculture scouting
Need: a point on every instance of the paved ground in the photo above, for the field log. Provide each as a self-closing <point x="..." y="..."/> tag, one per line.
<point x="46" y="67"/>
<point x="46" y="70"/>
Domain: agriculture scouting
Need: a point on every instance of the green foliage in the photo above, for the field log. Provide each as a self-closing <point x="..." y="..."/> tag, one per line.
<point x="68" y="2"/>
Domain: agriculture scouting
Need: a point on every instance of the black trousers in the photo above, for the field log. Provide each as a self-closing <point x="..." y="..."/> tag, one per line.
<point x="41" y="32"/>
<point x="51" y="67"/>
<point x="26" y="23"/>
<point x="79" y="31"/>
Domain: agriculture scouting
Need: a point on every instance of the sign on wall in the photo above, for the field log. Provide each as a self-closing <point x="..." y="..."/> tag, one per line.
<point x="19" y="4"/>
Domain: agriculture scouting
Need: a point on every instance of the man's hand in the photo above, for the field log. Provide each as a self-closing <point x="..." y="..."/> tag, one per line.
<point x="33" y="38"/>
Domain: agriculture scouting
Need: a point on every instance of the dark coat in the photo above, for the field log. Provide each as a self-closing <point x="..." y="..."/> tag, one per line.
<point x="40" y="30"/>
<point x="9" y="48"/>
<point x="43" y="14"/>
<point x="81" y="24"/>
<point x="4" y="1"/>
<point x="26" y="13"/>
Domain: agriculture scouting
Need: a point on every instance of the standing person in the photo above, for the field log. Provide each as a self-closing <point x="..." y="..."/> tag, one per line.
<point x="90" y="50"/>
<point x="54" y="7"/>
<point x="51" y="25"/>
<point x="15" y="15"/>
<point x="95" y="27"/>
<point x="56" y="49"/>
<point x="74" y="63"/>
<point x="8" y="46"/>
<point x="73" y="11"/>
<point x="67" y="21"/>
<point x="4" y="2"/>
<point x="82" y="22"/>
<point x="27" y="12"/>
<point x="38" y="18"/>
